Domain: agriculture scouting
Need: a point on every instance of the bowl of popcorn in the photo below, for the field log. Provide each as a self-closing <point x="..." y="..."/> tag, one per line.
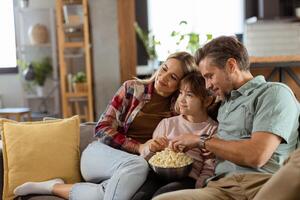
<point x="170" y="164"/>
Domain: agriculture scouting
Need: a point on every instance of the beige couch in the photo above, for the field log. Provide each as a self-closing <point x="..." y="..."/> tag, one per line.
<point x="86" y="137"/>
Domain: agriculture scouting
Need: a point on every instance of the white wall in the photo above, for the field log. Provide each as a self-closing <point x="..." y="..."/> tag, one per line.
<point x="11" y="90"/>
<point x="105" y="51"/>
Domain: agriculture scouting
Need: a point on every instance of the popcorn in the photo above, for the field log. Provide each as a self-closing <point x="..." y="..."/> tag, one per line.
<point x="170" y="159"/>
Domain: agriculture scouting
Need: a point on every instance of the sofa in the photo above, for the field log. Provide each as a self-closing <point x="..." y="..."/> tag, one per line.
<point x="86" y="137"/>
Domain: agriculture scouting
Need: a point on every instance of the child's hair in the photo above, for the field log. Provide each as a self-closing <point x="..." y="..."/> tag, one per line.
<point x="196" y="84"/>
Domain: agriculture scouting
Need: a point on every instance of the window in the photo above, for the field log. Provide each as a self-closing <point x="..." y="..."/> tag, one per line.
<point x="216" y="17"/>
<point x="7" y="39"/>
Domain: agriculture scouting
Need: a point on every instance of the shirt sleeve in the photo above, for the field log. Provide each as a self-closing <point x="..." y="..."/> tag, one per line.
<point x="108" y="124"/>
<point x="276" y="112"/>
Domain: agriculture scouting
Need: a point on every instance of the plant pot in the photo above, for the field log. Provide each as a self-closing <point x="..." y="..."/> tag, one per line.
<point x="80" y="87"/>
<point x="39" y="91"/>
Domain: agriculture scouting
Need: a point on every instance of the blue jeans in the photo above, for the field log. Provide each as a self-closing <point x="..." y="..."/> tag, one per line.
<point x="111" y="174"/>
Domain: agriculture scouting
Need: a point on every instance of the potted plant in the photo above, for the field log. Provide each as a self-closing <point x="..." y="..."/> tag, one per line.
<point x="79" y="82"/>
<point x="37" y="72"/>
<point x="192" y="39"/>
<point x="149" y="42"/>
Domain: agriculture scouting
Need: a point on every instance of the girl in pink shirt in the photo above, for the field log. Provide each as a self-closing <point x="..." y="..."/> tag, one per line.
<point x="193" y="104"/>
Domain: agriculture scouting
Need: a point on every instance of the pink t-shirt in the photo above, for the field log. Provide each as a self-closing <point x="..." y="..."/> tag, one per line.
<point x="204" y="161"/>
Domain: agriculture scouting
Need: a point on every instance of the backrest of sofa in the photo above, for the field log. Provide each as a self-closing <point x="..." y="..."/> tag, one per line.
<point x="87" y="131"/>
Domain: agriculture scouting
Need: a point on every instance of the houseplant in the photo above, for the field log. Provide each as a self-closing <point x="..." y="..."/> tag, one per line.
<point x="149" y="42"/>
<point x="36" y="72"/>
<point x="79" y="82"/>
<point x="191" y="39"/>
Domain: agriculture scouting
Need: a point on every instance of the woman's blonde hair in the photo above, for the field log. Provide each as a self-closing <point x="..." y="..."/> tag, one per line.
<point x="187" y="63"/>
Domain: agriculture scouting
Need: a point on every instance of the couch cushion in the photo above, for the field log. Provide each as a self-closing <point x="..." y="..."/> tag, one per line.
<point x="39" y="151"/>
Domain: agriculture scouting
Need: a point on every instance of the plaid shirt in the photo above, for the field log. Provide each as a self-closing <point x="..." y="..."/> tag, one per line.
<point x="113" y="125"/>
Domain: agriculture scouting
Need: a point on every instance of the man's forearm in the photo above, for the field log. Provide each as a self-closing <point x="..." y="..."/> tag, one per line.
<point x="241" y="152"/>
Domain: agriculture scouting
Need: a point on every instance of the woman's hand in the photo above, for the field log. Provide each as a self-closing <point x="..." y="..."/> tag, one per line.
<point x="184" y="142"/>
<point x="154" y="145"/>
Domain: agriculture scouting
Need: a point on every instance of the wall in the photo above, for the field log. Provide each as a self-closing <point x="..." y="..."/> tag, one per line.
<point x="105" y="52"/>
<point x="11" y="90"/>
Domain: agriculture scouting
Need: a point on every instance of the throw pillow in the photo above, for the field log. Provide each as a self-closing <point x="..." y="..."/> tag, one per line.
<point x="39" y="151"/>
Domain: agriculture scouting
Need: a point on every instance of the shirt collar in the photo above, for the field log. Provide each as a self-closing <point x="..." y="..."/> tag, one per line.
<point x="248" y="87"/>
<point x="149" y="89"/>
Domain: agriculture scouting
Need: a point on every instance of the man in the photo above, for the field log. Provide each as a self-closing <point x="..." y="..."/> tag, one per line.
<point x="258" y="124"/>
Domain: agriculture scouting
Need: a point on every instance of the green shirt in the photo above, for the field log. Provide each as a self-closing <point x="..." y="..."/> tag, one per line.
<point x="259" y="106"/>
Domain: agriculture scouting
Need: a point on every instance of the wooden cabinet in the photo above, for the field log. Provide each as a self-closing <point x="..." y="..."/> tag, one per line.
<point x="72" y="19"/>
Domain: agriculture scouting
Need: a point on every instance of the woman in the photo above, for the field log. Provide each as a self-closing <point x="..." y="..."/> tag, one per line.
<point x="128" y="122"/>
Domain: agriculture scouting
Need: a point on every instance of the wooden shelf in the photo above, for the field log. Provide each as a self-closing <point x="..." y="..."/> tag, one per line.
<point x="74" y="94"/>
<point x="75" y="103"/>
<point x="73" y="44"/>
<point x="70" y="2"/>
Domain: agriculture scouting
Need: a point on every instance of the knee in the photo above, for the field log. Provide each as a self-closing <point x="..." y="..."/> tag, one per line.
<point x="140" y="162"/>
<point x="137" y="163"/>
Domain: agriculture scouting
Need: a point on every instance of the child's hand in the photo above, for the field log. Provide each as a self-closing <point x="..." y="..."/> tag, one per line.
<point x="188" y="141"/>
<point x="154" y="145"/>
<point x="158" y="144"/>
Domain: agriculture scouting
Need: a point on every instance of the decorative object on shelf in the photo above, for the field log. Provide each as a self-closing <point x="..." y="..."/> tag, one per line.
<point x="73" y="14"/>
<point x="191" y="39"/>
<point x="24" y="3"/>
<point x="79" y="82"/>
<point x="149" y="42"/>
<point x="38" y="34"/>
<point x="42" y="69"/>
<point x="36" y="71"/>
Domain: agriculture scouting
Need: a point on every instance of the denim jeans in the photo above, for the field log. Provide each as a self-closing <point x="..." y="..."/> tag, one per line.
<point x="111" y="174"/>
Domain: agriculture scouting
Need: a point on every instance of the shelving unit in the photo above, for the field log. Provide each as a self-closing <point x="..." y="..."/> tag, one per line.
<point x="47" y="104"/>
<point x="74" y="55"/>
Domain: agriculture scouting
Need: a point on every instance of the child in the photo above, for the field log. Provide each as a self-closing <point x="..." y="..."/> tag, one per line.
<point x="192" y="103"/>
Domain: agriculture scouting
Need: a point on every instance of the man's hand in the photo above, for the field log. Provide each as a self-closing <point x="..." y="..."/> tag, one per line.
<point x="184" y="142"/>
<point x="154" y="145"/>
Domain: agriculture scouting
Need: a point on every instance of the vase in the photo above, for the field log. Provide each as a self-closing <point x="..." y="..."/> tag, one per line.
<point x="39" y="91"/>
<point x="38" y="34"/>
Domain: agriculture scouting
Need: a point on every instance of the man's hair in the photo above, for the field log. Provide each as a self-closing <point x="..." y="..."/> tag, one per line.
<point x="220" y="49"/>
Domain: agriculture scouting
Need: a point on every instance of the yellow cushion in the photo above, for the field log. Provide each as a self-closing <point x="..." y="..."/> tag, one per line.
<point x="39" y="151"/>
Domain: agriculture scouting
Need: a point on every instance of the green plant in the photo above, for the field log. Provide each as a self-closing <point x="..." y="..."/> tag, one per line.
<point x="148" y="40"/>
<point x="36" y="71"/>
<point x="193" y="39"/>
<point x="79" y="77"/>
